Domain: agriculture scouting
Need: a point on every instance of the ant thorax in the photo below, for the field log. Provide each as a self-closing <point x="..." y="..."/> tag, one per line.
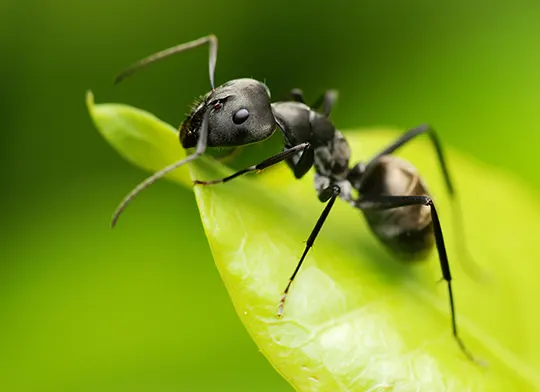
<point x="331" y="163"/>
<point x="332" y="158"/>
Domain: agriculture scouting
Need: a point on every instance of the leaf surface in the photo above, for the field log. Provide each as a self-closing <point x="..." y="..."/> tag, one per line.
<point x="357" y="319"/>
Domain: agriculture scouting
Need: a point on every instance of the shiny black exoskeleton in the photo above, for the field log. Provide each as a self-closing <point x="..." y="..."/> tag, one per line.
<point x="388" y="190"/>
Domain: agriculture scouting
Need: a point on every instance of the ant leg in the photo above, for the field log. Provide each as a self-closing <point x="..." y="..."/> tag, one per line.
<point x="406" y="137"/>
<point x="212" y="58"/>
<point x="288" y="153"/>
<point x="471" y="267"/>
<point x="298" y="163"/>
<point x="327" y="101"/>
<point x="297" y="95"/>
<point x="390" y="202"/>
<point x="199" y="150"/>
<point x="327" y="195"/>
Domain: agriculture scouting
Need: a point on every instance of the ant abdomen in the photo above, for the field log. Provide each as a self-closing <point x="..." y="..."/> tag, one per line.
<point x="406" y="231"/>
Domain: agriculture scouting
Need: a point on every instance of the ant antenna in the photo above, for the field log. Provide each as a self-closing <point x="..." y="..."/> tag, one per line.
<point x="201" y="147"/>
<point x="203" y="136"/>
<point x="210" y="39"/>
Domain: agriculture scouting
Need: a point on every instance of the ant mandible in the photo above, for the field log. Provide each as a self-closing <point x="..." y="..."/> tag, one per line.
<point x="239" y="112"/>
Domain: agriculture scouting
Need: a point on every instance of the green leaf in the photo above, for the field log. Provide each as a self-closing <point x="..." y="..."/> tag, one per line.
<point x="356" y="319"/>
<point x="139" y="137"/>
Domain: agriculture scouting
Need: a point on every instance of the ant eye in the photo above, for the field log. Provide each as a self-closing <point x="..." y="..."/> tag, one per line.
<point x="240" y="116"/>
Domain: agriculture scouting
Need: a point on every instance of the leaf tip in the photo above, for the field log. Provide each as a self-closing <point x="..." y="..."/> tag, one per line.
<point x="90" y="105"/>
<point x="90" y="100"/>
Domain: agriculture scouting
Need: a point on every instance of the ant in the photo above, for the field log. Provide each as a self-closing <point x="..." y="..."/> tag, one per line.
<point x="392" y="196"/>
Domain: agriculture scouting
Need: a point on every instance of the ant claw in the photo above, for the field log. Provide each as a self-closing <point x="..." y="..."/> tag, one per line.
<point x="281" y="305"/>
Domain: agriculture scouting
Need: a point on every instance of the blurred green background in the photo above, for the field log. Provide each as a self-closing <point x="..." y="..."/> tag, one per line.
<point x="142" y="308"/>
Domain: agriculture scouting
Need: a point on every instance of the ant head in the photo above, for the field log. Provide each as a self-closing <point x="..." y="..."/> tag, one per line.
<point x="234" y="114"/>
<point x="240" y="114"/>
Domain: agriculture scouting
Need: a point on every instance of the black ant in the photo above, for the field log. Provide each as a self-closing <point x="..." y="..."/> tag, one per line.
<point x="392" y="196"/>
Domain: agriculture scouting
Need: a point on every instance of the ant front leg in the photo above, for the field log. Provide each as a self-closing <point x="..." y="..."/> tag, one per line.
<point x="327" y="195"/>
<point x="282" y="156"/>
<point x="326" y="100"/>
<point x="390" y="202"/>
<point x="297" y="95"/>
